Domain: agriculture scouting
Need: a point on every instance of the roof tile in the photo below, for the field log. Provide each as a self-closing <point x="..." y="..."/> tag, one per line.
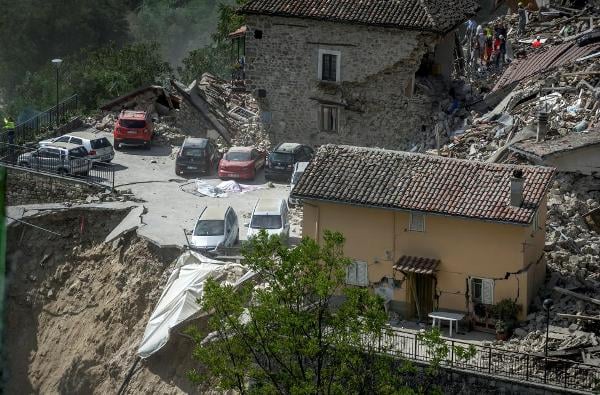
<point x="438" y="16"/>
<point x="407" y="181"/>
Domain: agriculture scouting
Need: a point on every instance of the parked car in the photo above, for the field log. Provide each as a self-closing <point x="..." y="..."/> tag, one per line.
<point x="299" y="168"/>
<point x="61" y="158"/>
<point x="134" y="128"/>
<point x="241" y="163"/>
<point x="216" y="227"/>
<point x="280" y="162"/>
<point x="272" y="216"/>
<point x="197" y="155"/>
<point x="97" y="147"/>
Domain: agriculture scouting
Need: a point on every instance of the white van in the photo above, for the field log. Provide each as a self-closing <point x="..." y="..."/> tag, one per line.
<point x="299" y="168"/>
<point x="216" y="227"/>
<point x="272" y="216"/>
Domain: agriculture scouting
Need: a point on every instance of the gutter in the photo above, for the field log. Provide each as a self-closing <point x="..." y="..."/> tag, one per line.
<point x="524" y="224"/>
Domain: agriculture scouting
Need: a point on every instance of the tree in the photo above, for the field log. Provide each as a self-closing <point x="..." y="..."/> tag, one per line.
<point x="288" y="337"/>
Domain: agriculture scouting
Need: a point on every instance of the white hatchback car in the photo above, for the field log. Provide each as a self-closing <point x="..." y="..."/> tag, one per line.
<point x="216" y="227"/>
<point x="272" y="216"/>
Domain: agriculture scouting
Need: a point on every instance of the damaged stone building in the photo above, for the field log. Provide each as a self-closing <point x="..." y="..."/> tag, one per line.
<point x="348" y="71"/>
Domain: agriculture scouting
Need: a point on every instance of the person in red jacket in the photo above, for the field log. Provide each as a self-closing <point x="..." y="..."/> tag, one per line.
<point x="537" y="43"/>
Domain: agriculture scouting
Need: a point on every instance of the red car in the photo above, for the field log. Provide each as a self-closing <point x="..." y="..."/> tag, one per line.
<point x="133" y="128"/>
<point x="241" y="163"/>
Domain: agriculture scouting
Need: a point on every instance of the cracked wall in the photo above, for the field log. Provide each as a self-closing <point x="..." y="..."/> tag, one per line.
<point x="374" y="97"/>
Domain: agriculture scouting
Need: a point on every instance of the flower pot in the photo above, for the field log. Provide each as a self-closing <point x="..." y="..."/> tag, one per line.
<point x="501" y="336"/>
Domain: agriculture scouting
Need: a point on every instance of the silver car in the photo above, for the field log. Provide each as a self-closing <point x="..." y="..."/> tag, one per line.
<point x="61" y="158"/>
<point x="216" y="227"/>
<point x="97" y="147"/>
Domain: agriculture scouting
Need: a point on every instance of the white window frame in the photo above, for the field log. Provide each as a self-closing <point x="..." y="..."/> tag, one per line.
<point x="336" y="127"/>
<point x="487" y="298"/>
<point x="357" y="273"/>
<point x="337" y="64"/>
<point x="412" y="226"/>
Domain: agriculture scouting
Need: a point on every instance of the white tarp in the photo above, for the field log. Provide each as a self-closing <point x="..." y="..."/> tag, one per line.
<point x="223" y="188"/>
<point x="178" y="302"/>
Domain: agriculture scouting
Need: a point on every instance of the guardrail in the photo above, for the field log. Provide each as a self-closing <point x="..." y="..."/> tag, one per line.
<point x="511" y="365"/>
<point x="77" y="168"/>
<point x="40" y="123"/>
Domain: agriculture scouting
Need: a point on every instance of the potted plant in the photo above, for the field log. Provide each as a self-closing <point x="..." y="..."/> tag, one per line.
<point x="501" y="330"/>
<point x="505" y="312"/>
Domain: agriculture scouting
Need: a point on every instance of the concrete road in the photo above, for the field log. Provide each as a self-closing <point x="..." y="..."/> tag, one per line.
<point x="171" y="204"/>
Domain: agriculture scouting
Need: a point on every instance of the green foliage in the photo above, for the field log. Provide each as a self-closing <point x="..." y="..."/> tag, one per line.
<point x="218" y="57"/>
<point x="96" y="74"/>
<point x="506" y="310"/>
<point x="177" y="26"/>
<point x="34" y="32"/>
<point x="287" y="337"/>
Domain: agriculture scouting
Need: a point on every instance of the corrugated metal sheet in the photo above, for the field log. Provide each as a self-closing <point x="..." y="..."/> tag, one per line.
<point x="554" y="57"/>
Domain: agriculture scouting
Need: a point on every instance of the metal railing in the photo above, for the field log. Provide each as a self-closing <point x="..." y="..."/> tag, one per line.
<point x="511" y="365"/>
<point x="40" y="124"/>
<point x="77" y="168"/>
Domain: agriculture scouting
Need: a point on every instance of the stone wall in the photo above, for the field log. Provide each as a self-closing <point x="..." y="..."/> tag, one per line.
<point x="374" y="97"/>
<point x="190" y="121"/>
<point x="24" y="187"/>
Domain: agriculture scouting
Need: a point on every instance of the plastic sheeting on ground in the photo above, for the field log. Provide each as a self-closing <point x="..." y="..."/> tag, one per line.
<point x="178" y="302"/>
<point x="223" y="188"/>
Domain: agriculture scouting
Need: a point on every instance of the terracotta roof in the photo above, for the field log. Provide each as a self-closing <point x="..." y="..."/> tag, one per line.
<point x="536" y="63"/>
<point x="413" y="264"/>
<point x="438" y="16"/>
<point x="417" y="182"/>
<point x="571" y="141"/>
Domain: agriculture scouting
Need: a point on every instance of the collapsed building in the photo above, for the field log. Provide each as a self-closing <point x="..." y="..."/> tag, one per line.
<point x="350" y="72"/>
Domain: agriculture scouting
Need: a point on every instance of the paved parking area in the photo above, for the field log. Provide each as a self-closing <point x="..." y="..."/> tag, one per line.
<point x="150" y="175"/>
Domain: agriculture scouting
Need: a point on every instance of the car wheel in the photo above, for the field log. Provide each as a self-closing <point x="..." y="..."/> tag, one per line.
<point x="117" y="145"/>
<point x="23" y="164"/>
<point x="253" y="174"/>
<point x="62" y="172"/>
<point x="147" y="146"/>
<point x="237" y="238"/>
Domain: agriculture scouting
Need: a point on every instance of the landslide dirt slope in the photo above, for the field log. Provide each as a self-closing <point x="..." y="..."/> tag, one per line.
<point x="77" y="309"/>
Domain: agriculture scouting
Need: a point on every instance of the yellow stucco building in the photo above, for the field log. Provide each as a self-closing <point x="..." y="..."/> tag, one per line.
<point x="431" y="233"/>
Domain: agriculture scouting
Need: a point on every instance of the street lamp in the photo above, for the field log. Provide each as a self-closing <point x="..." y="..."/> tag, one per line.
<point x="548" y="303"/>
<point x="56" y="62"/>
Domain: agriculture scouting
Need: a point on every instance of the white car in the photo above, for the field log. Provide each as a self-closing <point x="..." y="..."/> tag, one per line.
<point x="216" y="227"/>
<point x="299" y="168"/>
<point x="98" y="147"/>
<point x="272" y="216"/>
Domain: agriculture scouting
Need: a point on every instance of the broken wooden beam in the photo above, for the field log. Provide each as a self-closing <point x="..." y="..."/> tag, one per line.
<point x="579" y="317"/>
<point x="576" y="295"/>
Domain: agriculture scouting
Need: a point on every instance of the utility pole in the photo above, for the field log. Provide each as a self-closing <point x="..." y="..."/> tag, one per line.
<point x="57" y="62"/>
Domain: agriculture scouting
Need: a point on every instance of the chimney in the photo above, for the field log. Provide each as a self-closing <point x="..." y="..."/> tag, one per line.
<point x="542" y="127"/>
<point x="516" y="188"/>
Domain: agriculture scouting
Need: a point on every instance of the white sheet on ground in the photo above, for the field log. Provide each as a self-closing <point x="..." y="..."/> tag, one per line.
<point x="223" y="188"/>
<point x="178" y="302"/>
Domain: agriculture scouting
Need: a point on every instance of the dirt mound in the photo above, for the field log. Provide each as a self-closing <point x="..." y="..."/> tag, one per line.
<point x="77" y="308"/>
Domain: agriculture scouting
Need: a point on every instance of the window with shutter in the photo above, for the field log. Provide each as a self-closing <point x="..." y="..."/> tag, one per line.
<point x="357" y="274"/>
<point x="416" y="222"/>
<point x="329" y="118"/>
<point x="482" y="290"/>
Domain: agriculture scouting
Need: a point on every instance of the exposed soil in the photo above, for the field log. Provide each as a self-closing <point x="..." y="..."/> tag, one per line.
<point x="77" y="309"/>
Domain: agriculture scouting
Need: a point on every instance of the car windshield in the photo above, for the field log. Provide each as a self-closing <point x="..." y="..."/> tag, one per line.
<point x="296" y="176"/>
<point x="210" y="228"/>
<point x="100" y="143"/>
<point x="281" y="157"/>
<point x="266" y="222"/>
<point x="196" y="152"/>
<point x="78" y="152"/>
<point x="238" y="156"/>
<point x="132" y="123"/>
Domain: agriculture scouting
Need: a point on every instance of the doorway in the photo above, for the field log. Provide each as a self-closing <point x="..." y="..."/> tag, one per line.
<point x="419" y="295"/>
